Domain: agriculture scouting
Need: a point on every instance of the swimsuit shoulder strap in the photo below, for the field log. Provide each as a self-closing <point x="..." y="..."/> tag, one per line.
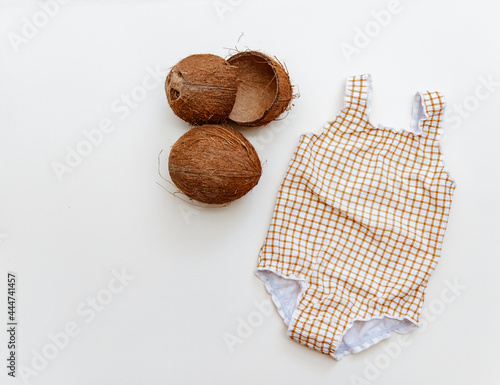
<point x="358" y="93"/>
<point x="428" y="111"/>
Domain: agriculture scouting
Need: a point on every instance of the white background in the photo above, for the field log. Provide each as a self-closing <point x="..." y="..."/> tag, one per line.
<point x="193" y="285"/>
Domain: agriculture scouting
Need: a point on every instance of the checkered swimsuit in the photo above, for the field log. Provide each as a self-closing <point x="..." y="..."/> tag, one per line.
<point x="358" y="226"/>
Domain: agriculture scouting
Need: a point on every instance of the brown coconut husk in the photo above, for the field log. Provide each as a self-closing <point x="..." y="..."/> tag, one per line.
<point x="201" y="89"/>
<point x="264" y="89"/>
<point x="214" y="164"/>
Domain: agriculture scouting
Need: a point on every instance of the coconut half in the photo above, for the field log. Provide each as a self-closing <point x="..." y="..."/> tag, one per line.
<point x="263" y="91"/>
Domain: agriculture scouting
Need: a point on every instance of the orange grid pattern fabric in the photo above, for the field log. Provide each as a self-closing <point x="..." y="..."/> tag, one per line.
<point x="358" y="226"/>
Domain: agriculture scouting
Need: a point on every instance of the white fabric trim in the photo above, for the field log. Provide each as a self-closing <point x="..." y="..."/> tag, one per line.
<point x="363" y="333"/>
<point x="359" y="335"/>
<point x="285" y="291"/>
<point x="418" y="114"/>
<point x="369" y="93"/>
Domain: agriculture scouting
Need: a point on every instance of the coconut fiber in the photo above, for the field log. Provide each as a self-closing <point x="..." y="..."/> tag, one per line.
<point x="202" y="89"/>
<point x="214" y="164"/>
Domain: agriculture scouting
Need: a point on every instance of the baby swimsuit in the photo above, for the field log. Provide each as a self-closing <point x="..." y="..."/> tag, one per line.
<point x="358" y="226"/>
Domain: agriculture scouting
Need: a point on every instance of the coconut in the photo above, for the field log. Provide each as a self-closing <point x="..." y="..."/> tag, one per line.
<point x="201" y="89"/>
<point x="264" y="89"/>
<point x="214" y="164"/>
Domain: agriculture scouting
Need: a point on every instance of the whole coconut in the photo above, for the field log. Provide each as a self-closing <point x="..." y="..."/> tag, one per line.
<point x="201" y="89"/>
<point x="214" y="164"/>
<point x="264" y="89"/>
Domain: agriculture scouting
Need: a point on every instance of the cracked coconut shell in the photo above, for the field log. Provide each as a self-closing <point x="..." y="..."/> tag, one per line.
<point x="264" y="89"/>
<point x="201" y="89"/>
<point x="214" y="164"/>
